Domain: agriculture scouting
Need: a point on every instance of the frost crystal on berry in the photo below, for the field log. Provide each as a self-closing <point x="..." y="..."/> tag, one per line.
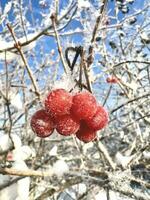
<point x="42" y="124"/>
<point x="99" y="120"/>
<point x="85" y="133"/>
<point x="58" y="102"/>
<point x="84" y="105"/>
<point x="67" y="125"/>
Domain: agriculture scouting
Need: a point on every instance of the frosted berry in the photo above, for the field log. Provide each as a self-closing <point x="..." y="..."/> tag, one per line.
<point x="67" y="125"/>
<point x="42" y="124"/>
<point x="58" y="102"/>
<point x="85" y="133"/>
<point x="99" y="120"/>
<point x="84" y="105"/>
<point x="112" y="79"/>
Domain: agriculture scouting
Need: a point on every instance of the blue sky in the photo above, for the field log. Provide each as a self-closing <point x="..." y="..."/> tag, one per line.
<point x="37" y="8"/>
<point x="49" y="42"/>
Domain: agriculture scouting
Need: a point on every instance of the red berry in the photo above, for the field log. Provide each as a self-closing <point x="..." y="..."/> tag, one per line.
<point x="42" y="124"/>
<point x="84" y="105"/>
<point x="112" y="80"/>
<point x="85" y="133"/>
<point x="99" y="120"/>
<point x="67" y="125"/>
<point x="58" y="102"/>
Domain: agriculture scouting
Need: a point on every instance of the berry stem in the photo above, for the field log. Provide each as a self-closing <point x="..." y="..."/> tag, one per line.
<point x="79" y="150"/>
<point x="86" y="71"/>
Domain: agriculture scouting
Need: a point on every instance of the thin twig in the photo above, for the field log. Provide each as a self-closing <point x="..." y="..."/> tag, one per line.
<point x="42" y="33"/>
<point x="130" y="101"/>
<point x="98" y="20"/>
<point x="18" y="47"/>
<point x="131" y="61"/>
<point x="89" y="86"/>
<point x="66" y="69"/>
<point x="107" y="96"/>
<point x="104" y="151"/>
<point x="7" y="102"/>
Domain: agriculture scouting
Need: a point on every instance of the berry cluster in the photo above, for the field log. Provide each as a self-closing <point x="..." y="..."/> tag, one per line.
<point x="78" y="114"/>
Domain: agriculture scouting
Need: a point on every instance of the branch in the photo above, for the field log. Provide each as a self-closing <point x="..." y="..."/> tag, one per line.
<point x="131" y="61"/>
<point x="130" y="101"/>
<point x="18" y="47"/>
<point x="50" y="191"/>
<point x="104" y="151"/>
<point x="28" y="172"/>
<point x="44" y="31"/>
<point x="98" y="20"/>
<point x="118" y="181"/>
<point x="53" y="18"/>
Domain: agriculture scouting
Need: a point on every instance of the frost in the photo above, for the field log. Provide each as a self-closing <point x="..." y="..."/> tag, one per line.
<point x="7" y="7"/>
<point x="23" y="187"/>
<point x="60" y="167"/>
<point x="130" y="1"/>
<point x="20" y="189"/>
<point x="86" y="147"/>
<point x="101" y="195"/>
<point x="92" y="76"/>
<point x="146" y="155"/>
<point x="53" y="151"/>
<point x="29" y="46"/>
<point x="4" y="44"/>
<point x="120" y="48"/>
<point x="123" y="160"/>
<point x="81" y="188"/>
<point x="16" y="101"/>
<point x="133" y="85"/>
<point x="0" y="84"/>
<point x="83" y="4"/>
<point x="5" y="193"/>
<point x="145" y="37"/>
<point x="66" y="82"/>
<point x="47" y="20"/>
<point x="9" y="56"/>
<point x="20" y="61"/>
<point x="22" y="153"/>
<point x="6" y="144"/>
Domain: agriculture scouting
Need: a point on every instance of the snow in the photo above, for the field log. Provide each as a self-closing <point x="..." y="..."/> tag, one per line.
<point x="9" y="56"/>
<point x="145" y="36"/>
<point x="22" y="153"/>
<point x="20" y="189"/>
<point x="7" y="7"/>
<point x="6" y="144"/>
<point x="101" y="195"/>
<point x="16" y="101"/>
<point x="123" y="160"/>
<point x="66" y="82"/>
<point x="5" y="193"/>
<point x="81" y="188"/>
<point x="146" y="155"/>
<point x="53" y="151"/>
<point x="60" y="167"/>
<point x="84" y="4"/>
<point x="5" y="44"/>
<point x="130" y="1"/>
